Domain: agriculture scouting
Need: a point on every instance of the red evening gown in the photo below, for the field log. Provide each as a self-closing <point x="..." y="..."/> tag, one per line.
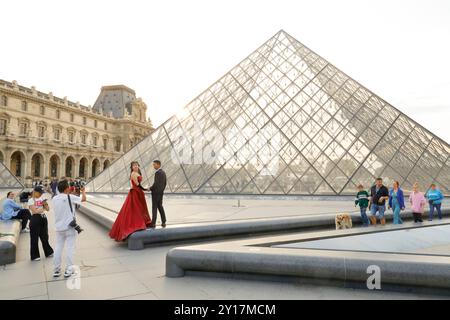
<point x="133" y="216"/>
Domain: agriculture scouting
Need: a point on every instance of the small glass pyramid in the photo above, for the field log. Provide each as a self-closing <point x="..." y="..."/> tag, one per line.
<point x="7" y="179"/>
<point x="285" y="121"/>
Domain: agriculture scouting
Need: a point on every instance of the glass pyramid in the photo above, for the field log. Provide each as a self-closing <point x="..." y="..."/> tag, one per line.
<point x="285" y="121"/>
<point x="7" y="179"/>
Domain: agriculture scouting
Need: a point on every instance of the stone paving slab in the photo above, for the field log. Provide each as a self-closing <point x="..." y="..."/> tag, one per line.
<point x="116" y="264"/>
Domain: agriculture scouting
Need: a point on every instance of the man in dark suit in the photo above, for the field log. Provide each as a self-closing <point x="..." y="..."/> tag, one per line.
<point x="157" y="189"/>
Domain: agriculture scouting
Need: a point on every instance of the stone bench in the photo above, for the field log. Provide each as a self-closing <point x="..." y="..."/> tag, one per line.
<point x="9" y="238"/>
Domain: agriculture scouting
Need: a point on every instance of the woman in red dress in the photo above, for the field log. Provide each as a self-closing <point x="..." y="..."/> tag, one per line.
<point x="134" y="213"/>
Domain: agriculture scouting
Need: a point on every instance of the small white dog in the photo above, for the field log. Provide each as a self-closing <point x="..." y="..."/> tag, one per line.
<point x="343" y="221"/>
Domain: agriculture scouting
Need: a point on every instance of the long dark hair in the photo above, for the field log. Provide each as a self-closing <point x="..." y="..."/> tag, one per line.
<point x="131" y="167"/>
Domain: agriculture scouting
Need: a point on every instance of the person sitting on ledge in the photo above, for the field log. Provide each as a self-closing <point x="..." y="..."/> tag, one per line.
<point x="435" y="197"/>
<point x="12" y="210"/>
<point x="378" y="196"/>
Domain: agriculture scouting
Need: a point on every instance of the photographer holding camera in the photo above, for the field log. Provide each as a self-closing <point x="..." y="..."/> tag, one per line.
<point x="66" y="226"/>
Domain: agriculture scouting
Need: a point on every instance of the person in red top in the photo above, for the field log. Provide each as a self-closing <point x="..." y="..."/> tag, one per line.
<point x="134" y="214"/>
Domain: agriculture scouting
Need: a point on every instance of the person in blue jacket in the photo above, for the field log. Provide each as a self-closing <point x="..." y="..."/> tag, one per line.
<point x="396" y="202"/>
<point x="12" y="210"/>
<point x="434" y="197"/>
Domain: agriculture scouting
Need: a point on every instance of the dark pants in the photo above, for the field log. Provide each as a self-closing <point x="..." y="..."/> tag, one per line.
<point x="39" y="230"/>
<point x="24" y="215"/>
<point x="157" y="205"/>
<point x="364" y="218"/>
<point x="438" y="208"/>
<point x="417" y="217"/>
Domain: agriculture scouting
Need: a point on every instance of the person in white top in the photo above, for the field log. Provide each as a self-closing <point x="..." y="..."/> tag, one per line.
<point x="38" y="224"/>
<point x="65" y="226"/>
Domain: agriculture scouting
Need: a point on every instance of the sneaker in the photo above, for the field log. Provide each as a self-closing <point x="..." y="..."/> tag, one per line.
<point x="50" y="256"/>
<point x="36" y="259"/>
<point x="57" y="273"/>
<point x="26" y="230"/>
<point x="68" y="273"/>
<point x="163" y="225"/>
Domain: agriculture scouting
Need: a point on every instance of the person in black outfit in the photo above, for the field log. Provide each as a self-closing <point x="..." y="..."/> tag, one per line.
<point x="378" y="196"/>
<point x="157" y="189"/>
<point x="39" y="225"/>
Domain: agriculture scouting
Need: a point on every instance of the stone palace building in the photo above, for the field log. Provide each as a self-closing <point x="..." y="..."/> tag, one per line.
<point x="43" y="136"/>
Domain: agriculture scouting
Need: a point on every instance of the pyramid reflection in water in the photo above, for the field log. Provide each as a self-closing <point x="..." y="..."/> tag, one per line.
<point x="285" y="121"/>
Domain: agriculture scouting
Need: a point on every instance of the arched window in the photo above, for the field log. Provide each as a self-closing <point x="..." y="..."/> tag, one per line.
<point x="4" y="101"/>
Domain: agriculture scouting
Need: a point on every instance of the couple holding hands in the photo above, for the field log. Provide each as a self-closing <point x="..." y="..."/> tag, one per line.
<point x="134" y="214"/>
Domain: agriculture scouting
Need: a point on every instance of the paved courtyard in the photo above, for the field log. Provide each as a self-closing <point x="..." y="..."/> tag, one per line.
<point x="110" y="271"/>
<point x="203" y="209"/>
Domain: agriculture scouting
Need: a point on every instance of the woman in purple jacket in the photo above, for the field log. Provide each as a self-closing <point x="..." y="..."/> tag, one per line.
<point x="396" y="202"/>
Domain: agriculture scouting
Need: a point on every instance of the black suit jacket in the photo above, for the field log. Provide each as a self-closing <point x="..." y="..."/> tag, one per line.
<point x="159" y="184"/>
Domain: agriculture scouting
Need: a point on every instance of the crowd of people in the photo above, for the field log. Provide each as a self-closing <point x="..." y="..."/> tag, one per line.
<point x="32" y="211"/>
<point x="375" y="202"/>
<point x="68" y="194"/>
<point x="51" y="186"/>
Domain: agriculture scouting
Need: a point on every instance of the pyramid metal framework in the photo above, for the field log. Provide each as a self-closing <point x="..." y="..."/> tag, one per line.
<point x="7" y="179"/>
<point x="285" y="121"/>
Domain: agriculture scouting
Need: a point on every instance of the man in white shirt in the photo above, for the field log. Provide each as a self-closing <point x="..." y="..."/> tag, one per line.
<point x="66" y="232"/>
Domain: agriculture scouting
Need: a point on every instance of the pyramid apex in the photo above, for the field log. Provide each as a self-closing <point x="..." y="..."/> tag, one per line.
<point x="287" y="122"/>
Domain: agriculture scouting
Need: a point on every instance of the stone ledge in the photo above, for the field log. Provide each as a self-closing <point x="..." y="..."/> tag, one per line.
<point x="345" y="266"/>
<point x="98" y="214"/>
<point x="256" y="257"/>
<point x="9" y="238"/>
<point x="203" y="231"/>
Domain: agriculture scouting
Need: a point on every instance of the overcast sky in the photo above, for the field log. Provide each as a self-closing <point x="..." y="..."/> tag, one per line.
<point x="170" y="51"/>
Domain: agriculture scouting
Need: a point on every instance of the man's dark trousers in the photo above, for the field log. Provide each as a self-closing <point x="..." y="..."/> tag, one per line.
<point x="24" y="215"/>
<point x="157" y="205"/>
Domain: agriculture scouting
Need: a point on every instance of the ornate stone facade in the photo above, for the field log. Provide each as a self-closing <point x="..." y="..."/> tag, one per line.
<point x="43" y="136"/>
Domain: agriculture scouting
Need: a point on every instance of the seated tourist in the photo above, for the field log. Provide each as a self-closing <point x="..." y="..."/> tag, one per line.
<point x="12" y="210"/>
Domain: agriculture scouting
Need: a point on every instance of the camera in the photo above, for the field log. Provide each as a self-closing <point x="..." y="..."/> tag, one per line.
<point x="77" y="185"/>
<point x="75" y="225"/>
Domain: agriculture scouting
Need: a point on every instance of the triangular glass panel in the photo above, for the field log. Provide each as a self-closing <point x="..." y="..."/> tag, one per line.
<point x="7" y="179"/>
